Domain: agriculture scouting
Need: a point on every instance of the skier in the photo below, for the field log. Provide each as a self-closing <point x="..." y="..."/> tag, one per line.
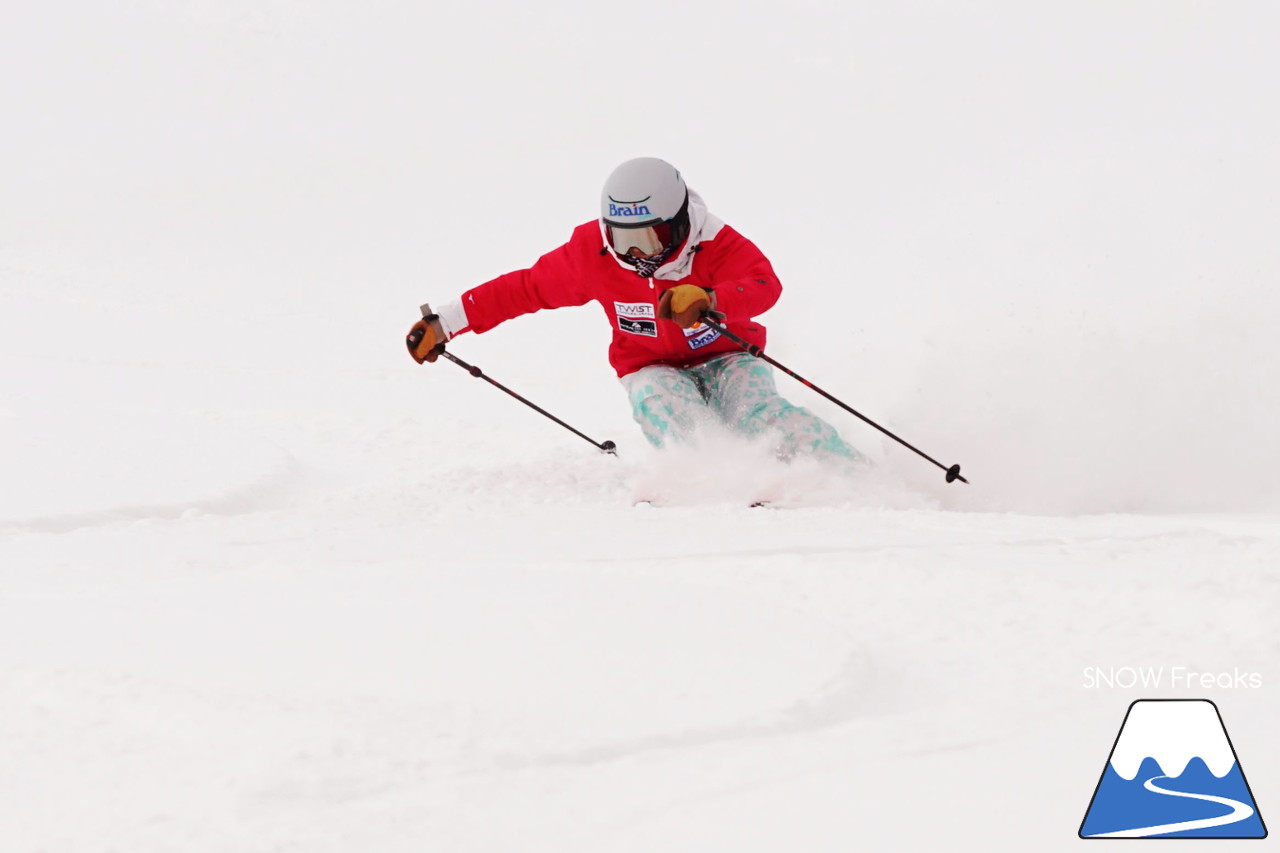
<point x="655" y="260"/>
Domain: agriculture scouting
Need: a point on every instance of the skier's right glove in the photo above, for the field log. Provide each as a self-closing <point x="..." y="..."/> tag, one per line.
<point x="426" y="339"/>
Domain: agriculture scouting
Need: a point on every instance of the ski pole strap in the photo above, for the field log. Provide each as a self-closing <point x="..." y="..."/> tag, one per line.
<point x="715" y="320"/>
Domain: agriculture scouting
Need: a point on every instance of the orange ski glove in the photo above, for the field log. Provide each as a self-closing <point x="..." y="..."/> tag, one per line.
<point x="684" y="304"/>
<point x="426" y="339"/>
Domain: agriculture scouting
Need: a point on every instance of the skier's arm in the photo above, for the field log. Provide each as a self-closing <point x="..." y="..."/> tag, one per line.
<point x="745" y="284"/>
<point x="555" y="281"/>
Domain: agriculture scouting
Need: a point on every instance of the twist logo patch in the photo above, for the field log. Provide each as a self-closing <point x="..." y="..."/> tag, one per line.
<point x="1173" y="773"/>
<point x="636" y="318"/>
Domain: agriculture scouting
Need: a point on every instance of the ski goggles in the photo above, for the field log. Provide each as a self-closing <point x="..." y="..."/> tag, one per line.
<point x="647" y="240"/>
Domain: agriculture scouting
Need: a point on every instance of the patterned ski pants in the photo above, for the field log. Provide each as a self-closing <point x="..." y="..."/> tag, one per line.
<point x="737" y="390"/>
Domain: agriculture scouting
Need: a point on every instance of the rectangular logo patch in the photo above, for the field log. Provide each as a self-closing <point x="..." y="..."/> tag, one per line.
<point x="638" y="327"/>
<point x="637" y="318"/>
<point x="700" y="336"/>
<point x="634" y="309"/>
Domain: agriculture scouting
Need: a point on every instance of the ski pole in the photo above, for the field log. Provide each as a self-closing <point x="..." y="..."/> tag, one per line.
<point x="715" y="320"/>
<point x="603" y="446"/>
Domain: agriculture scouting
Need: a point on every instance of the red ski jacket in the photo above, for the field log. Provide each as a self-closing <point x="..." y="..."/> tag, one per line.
<point x="714" y="257"/>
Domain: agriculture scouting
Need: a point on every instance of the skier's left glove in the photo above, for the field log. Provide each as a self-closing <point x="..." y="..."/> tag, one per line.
<point x="426" y="339"/>
<point x="685" y="304"/>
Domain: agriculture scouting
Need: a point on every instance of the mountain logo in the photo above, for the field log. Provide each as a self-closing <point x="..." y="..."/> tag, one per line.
<point x="1173" y="773"/>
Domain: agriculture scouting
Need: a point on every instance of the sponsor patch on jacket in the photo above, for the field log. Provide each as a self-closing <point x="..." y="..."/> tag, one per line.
<point x="699" y="336"/>
<point x="634" y="309"/>
<point x="636" y="326"/>
<point x="637" y="318"/>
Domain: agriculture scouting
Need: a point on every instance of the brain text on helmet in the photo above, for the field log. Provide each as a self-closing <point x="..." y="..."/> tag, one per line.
<point x="629" y="210"/>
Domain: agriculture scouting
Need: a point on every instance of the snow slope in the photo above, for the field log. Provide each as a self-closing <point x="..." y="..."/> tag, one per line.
<point x="267" y="585"/>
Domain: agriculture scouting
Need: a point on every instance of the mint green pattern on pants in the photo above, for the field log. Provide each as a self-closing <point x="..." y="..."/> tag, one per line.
<point x="736" y="390"/>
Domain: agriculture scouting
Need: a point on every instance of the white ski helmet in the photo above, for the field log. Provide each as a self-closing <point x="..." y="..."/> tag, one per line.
<point x="645" y="210"/>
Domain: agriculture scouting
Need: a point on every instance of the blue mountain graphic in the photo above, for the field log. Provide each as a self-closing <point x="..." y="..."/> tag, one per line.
<point x="1121" y="804"/>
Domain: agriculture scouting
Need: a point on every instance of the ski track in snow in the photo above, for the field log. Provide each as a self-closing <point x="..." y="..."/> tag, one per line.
<point x="264" y="481"/>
